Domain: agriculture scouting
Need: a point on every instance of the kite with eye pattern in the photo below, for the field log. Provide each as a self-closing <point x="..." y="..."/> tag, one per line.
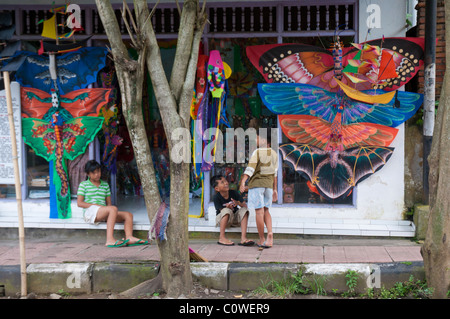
<point x="302" y="63"/>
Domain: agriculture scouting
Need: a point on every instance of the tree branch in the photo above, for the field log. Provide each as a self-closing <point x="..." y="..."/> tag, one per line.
<point x="112" y="29"/>
<point x="151" y="14"/>
<point x="164" y="97"/>
<point x="184" y="47"/>
<point x="125" y="5"/>
<point x="127" y="26"/>
<point x="189" y="82"/>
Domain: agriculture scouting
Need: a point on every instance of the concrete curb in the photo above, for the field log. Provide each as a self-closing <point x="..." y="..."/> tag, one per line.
<point x="91" y="277"/>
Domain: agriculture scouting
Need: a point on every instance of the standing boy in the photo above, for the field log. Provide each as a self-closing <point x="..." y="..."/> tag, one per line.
<point x="228" y="214"/>
<point x="94" y="195"/>
<point x="262" y="186"/>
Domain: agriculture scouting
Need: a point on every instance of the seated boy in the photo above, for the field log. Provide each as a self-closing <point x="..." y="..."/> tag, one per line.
<point x="228" y="214"/>
<point x="94" y="196"/>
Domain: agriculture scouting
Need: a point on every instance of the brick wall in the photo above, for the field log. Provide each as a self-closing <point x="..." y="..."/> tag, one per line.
<point x="440" y="46"/>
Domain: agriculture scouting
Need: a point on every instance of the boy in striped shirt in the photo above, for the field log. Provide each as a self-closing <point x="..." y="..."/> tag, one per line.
<point x="94" y="196"/>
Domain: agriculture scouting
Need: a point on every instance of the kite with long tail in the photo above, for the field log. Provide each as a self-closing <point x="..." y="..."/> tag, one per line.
<point x="208" y="111"/>
<point x="62" y="133"/>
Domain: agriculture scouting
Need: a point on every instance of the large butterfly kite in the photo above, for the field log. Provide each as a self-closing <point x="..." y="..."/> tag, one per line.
<point x="302" y="63"/>
<point x="297" y="98"/>
<point x="59" y="128"/>
<point x="339" y="107"/>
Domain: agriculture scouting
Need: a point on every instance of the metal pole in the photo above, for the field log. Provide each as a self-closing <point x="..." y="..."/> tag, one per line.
<point x="429" y="90"/>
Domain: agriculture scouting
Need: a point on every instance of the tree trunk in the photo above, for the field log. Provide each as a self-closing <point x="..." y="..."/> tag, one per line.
<point x="175" y="262"/>
<point x="174" y="101"/>
<point x="436" y="248"/>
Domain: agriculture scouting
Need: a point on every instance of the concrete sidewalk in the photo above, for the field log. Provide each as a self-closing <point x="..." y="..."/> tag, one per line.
<point x="283" y="251"/>
<point x="83" y="265"/>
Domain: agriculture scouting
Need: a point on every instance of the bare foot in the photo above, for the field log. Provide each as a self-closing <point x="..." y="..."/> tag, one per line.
<point x="225" y="241"/>
<point x="269" y="241"/>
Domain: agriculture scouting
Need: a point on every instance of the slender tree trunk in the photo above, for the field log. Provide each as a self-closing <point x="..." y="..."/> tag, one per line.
<point x="436" y="248"/>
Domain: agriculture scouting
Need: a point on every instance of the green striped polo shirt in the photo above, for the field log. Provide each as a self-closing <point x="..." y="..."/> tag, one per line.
<point x="93" y="194"/>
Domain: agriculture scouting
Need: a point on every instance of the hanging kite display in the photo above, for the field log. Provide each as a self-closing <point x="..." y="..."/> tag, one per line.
<point x="208" y="111"/>
<point x="339" y="106"/>
<point x="111" y="140"/>
<point x="296" y="98"/>
<point x="311" y="130"/>
<point x="337" y="170"/>
<point x="301" y="63"/>
<point x="198" y="110"/>
<point x="335" y="173"/>
<point x="60" y="125"/>
<point x="50" y="30"/>
<point x="332" y="156"/>
<point x="59" y="128"/>
<point x="217" y="73"/>
<point x="209" y="104"/>
<point x="75" y="70"/>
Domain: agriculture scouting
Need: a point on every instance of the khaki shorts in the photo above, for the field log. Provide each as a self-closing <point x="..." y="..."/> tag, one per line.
<point x="234" y="219"/>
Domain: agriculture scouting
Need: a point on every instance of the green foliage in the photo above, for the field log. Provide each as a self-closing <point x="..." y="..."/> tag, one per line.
<point x="293" y="285"/>
<point x="298" y="284"/>
<point x="317" y="285"/>
<point x="351" y="277"/>
<point x="63" y="293"/>
<point x="412" y="288"/>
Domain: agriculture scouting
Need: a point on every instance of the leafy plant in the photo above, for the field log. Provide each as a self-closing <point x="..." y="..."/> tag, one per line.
<point x="317" y="285"/>
<point x="411" y="288"/>
<point x="63" y="293"/>
<point x="286" y="287"/>
<point x="351" y="277"/>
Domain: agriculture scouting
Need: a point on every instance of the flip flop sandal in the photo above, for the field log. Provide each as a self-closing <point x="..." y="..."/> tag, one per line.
<point x="263" y="245"/>
<point x="231" y="244"/>
<point x="247" y="243"/>
<point x="140" y="242"/>
<point x="116" y="244"/>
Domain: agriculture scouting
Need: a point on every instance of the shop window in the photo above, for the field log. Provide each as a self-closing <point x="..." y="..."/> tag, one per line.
<point x="37" y="175"/>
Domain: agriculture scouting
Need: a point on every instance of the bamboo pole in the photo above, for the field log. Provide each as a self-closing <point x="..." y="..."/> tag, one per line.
<point x="23" y="267"/>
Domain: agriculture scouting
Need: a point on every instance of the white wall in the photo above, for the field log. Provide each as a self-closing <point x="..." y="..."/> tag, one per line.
<point x="392" y="18"/>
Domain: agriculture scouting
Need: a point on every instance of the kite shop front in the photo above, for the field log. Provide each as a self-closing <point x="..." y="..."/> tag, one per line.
<point x="374" y="207"/>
